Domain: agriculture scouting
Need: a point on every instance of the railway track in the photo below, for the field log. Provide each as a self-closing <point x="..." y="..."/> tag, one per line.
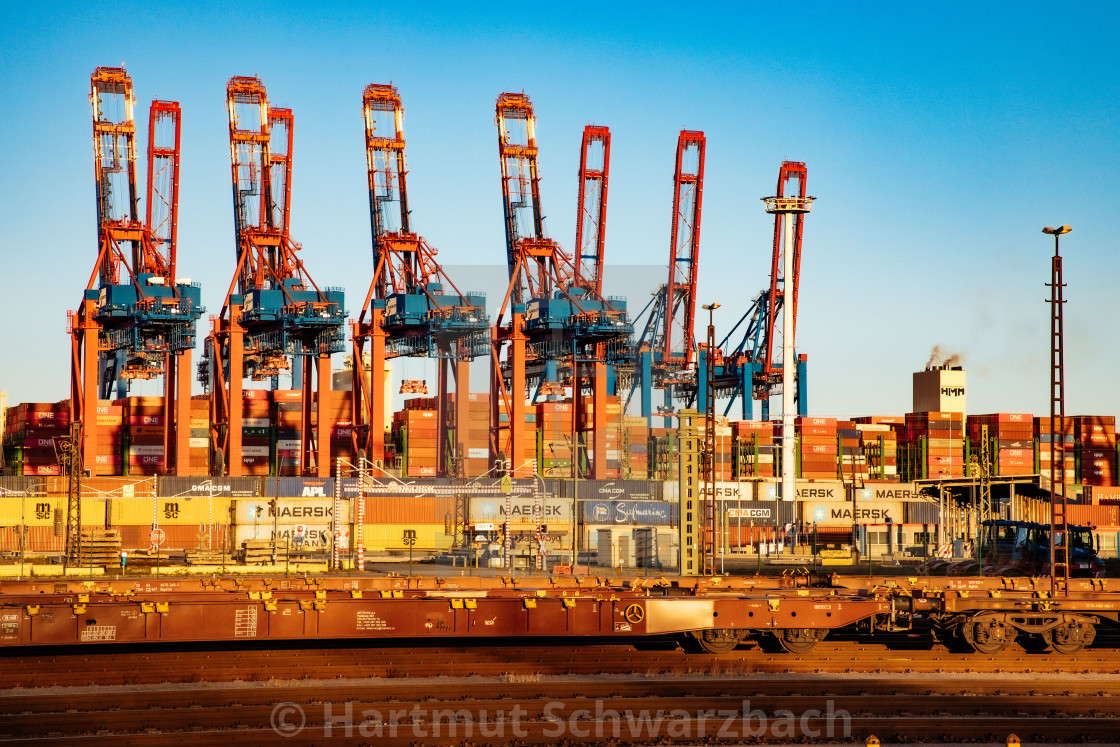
<point x="571" y="710"/>
<point x="900" y="688"/>
<point x="319" y="661"/>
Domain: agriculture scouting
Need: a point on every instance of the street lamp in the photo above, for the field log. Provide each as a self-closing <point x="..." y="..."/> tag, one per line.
<point x="709" y="471"/>
<point x="1057" y="418"/>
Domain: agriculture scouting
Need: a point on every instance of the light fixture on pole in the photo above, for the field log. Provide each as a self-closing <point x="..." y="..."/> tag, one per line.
<point x="788" y="207"/>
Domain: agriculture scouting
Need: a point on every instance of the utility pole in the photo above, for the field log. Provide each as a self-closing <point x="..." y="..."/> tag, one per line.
<point x="1059" y="557"/>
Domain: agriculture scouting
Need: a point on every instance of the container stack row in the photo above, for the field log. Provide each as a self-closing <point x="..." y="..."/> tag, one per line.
<point x="754" y="449"/>
<point x="941" y="434"/>
<point x="1010" y="438"/>
<point x="818" y="442"/>
<point x="634" y="448"/>
<point x="415" y="434"/>
<point x="30" y="430"/>
<point x="1094" y="439"/>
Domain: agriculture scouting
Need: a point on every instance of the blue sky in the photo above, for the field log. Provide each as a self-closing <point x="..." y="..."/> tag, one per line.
<point x="939" y="139"/>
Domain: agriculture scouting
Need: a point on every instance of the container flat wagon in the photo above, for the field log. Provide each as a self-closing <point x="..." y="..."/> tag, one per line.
<point x="713" y="615"/>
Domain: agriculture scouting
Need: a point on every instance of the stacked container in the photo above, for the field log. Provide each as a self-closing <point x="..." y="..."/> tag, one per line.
<point x="415" y="432"/>
<point x="474" y="436"/>
<point x="256" y="435"/>
<point x="634" y="448"/>
<point x="341" y="412"/>
<point x="753" y="449"/>
<point x="200" y="434"/>
<point x="613" y="455"/>
<point x="532" y="439"/>
<point x="937" y="437"/>
<point x="144" y="428"/>
<point x="722" y="468"/>
<point x="30" y="430"/>
<point x="663" y="454"/>
<point x="879" y="442"/>
<point x="554" y="434"/>
<point x="1044" y="432"/>
<point x="1094" y="438"/>
<point x="854" y="462"/>
<point x="287" y="406"/>
<point x="1011" y="440"/>
<point x="818" y="447"/>
<point x="108" y="459"/>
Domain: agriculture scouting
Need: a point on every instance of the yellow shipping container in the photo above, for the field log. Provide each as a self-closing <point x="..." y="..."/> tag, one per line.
<point x="43" y="510"/>
<point x="384" y="537"/>
<point x="174" y="511"/>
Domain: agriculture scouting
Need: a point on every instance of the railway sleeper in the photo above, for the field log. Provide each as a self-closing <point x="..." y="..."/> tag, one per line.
<point x="990" y="632"/>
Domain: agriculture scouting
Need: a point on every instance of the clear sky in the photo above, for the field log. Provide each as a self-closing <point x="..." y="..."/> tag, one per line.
<point x="939" y="137"/>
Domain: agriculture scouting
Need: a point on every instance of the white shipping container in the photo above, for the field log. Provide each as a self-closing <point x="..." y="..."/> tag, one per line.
<point x="199" y="443"/>
<point x="254" y="511"/>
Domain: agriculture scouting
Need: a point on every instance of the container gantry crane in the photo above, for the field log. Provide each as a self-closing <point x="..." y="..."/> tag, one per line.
<point x="593" y="378"/>
<point x="411" y="307"/>
<point x="137" y="319"/>
<point x="273" y="310"/>
<point x="545" y="317"/>
<point x="752" y="369"/>
<point x="665" y="354"/>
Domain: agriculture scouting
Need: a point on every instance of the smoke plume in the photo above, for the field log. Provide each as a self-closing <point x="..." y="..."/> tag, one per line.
<point x="938" y="358"/>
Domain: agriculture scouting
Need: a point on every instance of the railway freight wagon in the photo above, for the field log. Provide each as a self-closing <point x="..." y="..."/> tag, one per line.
<point x="709" y="614"/>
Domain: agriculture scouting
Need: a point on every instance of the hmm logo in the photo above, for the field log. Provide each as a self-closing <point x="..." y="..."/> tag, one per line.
<point x="953" y="391"/>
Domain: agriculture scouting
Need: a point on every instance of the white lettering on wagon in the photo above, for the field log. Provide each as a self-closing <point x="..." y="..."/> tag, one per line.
<point x="99" y="633"/>
<point x="368" y="620"/>
<point x="245" y="623"/>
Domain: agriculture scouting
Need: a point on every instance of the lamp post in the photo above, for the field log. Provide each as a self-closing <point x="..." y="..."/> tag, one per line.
<point x="708" y="471"/>
<point x="1057" y="421"/>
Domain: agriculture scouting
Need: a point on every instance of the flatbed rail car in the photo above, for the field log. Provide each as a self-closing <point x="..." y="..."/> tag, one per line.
<point x="986" y="614"/>
<point x="712" y="615"/>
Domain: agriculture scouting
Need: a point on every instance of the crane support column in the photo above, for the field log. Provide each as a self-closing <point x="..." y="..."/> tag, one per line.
<point x="787" y="207"/>
<point x="325" y="419"/>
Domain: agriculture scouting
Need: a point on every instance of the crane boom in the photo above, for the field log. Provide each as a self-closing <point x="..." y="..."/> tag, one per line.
<point x="684" y="252"/>
<point x="591" y="207"/>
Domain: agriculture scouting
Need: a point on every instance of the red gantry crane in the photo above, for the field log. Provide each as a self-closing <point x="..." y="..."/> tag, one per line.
<point x="137" y="319"/>
<point x="545" y="317"/>
<point x="273" y="310"/>
<point x="590" y="378"/>
<point x="752" y="369"/>
<point x="666" y="351"/>
<point x="411" y="307"/>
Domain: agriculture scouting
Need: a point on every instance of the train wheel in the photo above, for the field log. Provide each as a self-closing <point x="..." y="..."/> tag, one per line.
<point x="1070" y="637"/>
<point x="987" y="634"/>
<point x="799" y="640"/>
<point x="717" y="641"/>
